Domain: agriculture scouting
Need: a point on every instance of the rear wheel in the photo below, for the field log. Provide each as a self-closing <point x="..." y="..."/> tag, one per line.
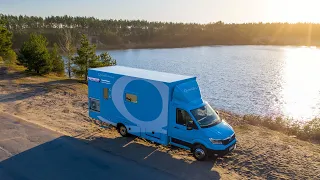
<point x="200" y="152"/>
<point x="123" y="130"/>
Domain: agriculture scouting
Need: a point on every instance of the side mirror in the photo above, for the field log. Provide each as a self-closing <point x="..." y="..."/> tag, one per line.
<point x="217" y="112"/>
<point x="189" y="125"/>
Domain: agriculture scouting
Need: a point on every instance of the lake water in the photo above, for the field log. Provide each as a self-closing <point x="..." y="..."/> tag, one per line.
<point x="264" y="80"/>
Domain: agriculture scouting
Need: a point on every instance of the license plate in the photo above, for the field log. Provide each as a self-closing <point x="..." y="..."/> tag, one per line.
<point x="232" y="147"/>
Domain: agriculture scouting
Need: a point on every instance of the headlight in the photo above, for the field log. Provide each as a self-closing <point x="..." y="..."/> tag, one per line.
<point x="215" y="141"/>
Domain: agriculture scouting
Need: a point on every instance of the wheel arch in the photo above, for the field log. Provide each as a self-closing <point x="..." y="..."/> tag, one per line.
<point x="120" y="124"/>
<point x="199" y="142"/>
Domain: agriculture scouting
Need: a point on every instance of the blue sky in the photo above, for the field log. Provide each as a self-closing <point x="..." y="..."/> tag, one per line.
<point x="200" y="11"/>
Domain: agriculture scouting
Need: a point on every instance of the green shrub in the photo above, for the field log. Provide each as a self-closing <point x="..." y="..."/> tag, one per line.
<point x="311" y="129"/>
<point x="11" y="57"/>
<point x="294" y="128"/>
<point x="252" y="119"/>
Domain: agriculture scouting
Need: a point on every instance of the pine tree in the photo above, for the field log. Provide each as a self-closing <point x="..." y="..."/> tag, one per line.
<point x="106" y="60"/>
<point x="5" y="40"/>
<point x="35" y="56"/>
<point x="6" y="53"/>
<point x="87" y="58"/>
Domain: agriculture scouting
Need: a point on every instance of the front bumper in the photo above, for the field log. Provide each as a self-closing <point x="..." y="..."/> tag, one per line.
<point x="224" y="152"/>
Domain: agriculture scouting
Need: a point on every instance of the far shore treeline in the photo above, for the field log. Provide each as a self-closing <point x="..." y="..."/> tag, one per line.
<point x="116" y="34"/>
<point x="37" y="42"/>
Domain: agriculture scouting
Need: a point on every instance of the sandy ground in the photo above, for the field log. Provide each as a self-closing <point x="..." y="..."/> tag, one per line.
<point x="61" y="105"/>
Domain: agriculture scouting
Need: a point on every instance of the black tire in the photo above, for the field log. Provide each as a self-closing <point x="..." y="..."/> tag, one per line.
<point x="200" y="152"/>
<point x="123" y="130"/>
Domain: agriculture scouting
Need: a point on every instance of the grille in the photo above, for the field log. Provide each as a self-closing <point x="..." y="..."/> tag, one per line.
<point x="227" y="141"/>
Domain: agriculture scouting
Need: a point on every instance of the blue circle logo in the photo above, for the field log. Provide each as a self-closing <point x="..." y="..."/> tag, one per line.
<point x="149" y="101"/>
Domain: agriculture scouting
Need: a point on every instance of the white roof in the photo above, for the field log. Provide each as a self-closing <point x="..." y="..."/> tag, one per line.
<point x="142" y="73"/>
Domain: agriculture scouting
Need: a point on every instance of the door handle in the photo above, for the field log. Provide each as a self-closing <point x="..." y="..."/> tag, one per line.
<point x="176" y="127"/>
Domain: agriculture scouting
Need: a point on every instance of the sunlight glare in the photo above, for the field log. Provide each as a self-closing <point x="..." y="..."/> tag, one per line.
<point x="301" y="82"/>
<point x="293" y="11"/>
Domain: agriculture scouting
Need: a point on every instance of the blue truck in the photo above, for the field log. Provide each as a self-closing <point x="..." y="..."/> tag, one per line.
<point x="161" y="107"/>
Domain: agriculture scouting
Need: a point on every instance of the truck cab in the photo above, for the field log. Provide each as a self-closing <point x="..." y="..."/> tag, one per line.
<point x="196" y="126"/>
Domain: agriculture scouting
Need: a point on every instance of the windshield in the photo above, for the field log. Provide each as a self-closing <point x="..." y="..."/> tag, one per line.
<point x="206" y="116"/>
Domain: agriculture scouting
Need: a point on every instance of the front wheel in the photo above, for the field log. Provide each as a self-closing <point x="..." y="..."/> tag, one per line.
<point x="200" y="152"/>
<point x="123" y="130"/>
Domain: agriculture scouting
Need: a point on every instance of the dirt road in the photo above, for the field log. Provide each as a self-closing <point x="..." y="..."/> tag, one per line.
<point x="30" y="152"/>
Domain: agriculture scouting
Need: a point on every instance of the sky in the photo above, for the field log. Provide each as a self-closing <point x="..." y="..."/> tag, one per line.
<point x="197" y="11"/>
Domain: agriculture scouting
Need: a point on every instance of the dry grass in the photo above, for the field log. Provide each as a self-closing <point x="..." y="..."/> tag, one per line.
<point x="305" y="131"/>
<point x="15" y="67"/>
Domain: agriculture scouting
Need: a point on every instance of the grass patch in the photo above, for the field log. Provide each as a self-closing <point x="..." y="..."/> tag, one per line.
<point x="242" y="128"/>
<point x="305" y="131"/>
<point x="14" y="67"/>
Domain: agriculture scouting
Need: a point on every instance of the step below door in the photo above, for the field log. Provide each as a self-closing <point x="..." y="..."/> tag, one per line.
<point x="153" y="133"/>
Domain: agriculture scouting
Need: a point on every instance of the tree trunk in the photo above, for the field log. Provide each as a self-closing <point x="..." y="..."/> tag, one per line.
<point x="69" y="68"/>
<point x="86" y="75"/>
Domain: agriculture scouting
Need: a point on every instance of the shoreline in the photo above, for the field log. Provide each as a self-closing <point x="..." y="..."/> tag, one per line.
<point x="150" y="47"/>
<point x="141" y="47"/>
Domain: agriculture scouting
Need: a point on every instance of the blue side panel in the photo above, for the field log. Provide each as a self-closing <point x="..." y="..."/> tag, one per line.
<point x="147" y="117"/>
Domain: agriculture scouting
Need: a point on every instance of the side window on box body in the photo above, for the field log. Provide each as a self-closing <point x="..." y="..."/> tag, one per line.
<point x="105" y="93"/>
<point x="131" y="98"/>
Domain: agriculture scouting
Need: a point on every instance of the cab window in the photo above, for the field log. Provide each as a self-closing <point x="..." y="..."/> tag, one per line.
<point x="182" y="117"/>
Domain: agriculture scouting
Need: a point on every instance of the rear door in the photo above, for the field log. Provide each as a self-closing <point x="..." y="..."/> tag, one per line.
<point x="106" y="101"/>
<point x="180" y="136"/>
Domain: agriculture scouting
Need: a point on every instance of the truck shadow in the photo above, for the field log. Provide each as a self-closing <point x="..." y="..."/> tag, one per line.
<point x="151" y="156"/>
<point x="101" y="158"/>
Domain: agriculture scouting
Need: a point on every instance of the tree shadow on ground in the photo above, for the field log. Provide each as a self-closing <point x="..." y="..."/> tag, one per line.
<point x="30" y="88"/>
<point x="101" y="158"/>
<point x="35" y="89"/>
<point x="6" y="75"/>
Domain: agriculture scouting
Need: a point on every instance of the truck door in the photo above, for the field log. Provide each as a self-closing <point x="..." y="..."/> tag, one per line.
<point x="180" y="135"/>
